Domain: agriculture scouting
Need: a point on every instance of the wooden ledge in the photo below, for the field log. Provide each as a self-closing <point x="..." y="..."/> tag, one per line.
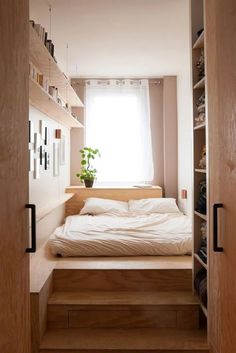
<point x="43" y="212"/>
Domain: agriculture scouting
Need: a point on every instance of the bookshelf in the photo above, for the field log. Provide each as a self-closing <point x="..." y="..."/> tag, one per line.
<point x="42" y="100"/>
<point x="200" y="147"/>
<point x="39" y="97"/>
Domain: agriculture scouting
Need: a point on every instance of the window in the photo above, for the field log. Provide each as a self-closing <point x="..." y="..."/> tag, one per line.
<point x="118" y="124"/>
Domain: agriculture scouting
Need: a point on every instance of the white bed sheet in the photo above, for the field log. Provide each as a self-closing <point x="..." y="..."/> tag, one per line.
<point x="109" y="235"/>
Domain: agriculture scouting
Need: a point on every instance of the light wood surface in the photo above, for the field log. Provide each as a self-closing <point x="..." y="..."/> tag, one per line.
<point x="43" y="212"/>
<point x="221" y="87"/>
<point x="123" y="298"/>
<point x="42" y="101"/>
<point x="74" y="205"/>
<point x="42" y="59"/>
<point x="97" y="309"/>
<point x="14" y="262"/>
<point x="39" y="313"/>
<point x="148" y="280"/>
<point x="122" y="339"/>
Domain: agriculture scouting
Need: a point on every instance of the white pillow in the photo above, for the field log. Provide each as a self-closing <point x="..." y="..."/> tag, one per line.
<point x="155" y="205"/>
<point x="96" y="206"/>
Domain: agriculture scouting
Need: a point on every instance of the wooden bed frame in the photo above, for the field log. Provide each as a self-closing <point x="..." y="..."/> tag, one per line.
<point x="76" y="203"/>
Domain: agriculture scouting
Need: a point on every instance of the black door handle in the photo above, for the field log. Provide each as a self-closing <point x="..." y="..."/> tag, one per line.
<point x="216" y="248"/>
<point x="33" y="228"/>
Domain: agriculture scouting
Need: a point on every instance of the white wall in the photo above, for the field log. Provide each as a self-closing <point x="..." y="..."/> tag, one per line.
<point x="48" y="189"/>
<point x="141" y="38"/>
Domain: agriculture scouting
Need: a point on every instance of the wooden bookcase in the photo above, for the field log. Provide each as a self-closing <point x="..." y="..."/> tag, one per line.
<point x="199" y="138"/>
<point x="40" y="57"/>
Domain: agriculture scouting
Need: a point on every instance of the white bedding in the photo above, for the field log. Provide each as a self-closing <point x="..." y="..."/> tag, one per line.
<point x="109" y="235"/>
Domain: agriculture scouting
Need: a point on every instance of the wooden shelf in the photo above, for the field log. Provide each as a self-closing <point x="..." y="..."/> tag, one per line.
<point x="44" y="62"/>
<point x="43" y="212"/>
<point x="42" y="100"/>
<point x="200" y="171"/>
<point x="199" y="44"/>
<point x="202" y="263"/>
<point x="200" y="84"/>
<point x="200" y="126"/>
<point x="201" y="215"/>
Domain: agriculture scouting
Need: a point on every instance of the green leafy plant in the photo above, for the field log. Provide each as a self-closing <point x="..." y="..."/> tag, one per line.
<point x="88" y="173"/>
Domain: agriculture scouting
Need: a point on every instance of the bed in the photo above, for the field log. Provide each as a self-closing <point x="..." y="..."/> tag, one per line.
<point x="152" y="226"/>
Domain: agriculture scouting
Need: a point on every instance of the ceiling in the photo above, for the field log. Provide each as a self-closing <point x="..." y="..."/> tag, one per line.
<point x="117" y="38"/>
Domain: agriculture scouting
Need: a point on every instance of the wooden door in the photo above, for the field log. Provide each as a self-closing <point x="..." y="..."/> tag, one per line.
<point x="14" y="262"/>
<point x="221" y="88"/>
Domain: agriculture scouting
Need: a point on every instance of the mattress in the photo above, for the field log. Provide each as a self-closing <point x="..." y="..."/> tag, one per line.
<point x="109" y="235"/>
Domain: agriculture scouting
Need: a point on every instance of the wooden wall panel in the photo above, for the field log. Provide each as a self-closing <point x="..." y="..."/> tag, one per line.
<point x="14" y="262"/>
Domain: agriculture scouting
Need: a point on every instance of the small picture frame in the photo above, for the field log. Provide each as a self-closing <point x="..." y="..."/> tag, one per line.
<point x="31" y="160"/>
<point x="36" y="168"/>
<point x="56" y="157"/>
<point x="46" y="138"/>
<point x="46" y="161"/>
<point x="62" y="150"/>
<point x="31" y="131"/>
<point x="37" y="141"/>
<point x="42" y="128"/>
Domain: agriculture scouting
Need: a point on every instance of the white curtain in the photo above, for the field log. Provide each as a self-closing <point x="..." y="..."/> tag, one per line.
<point x="118" y="124"/>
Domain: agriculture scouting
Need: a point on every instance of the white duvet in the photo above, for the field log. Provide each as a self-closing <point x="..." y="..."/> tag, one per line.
<point x="109" y="235"/>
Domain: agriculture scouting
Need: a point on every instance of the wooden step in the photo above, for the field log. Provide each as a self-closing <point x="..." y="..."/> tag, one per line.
<point x="123" y="310"/>
<point x="122" y="279"/>
<point x="122" y="340"/>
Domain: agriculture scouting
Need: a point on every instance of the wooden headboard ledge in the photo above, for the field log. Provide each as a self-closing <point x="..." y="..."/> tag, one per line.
<point x="76" y="203"/>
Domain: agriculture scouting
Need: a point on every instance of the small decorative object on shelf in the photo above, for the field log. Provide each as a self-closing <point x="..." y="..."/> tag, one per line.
<point x="201" y="66"/>
<point x="202" y="252"/>
<point x="201" y="204"/>
<point x="202" y="162"/>
<point x="200" y="284"/>
<point x="201" y="110"/>
<point x="88" y="172"/>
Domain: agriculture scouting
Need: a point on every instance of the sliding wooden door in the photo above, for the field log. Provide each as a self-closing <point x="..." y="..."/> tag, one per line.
<point x="14" y="262"/>
<point x="221" y="88"/>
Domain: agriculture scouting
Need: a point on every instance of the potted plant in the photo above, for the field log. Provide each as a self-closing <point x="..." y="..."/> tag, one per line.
<point x="88" y="173"/>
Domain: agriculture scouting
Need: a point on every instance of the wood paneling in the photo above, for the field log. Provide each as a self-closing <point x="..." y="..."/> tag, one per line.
<point x="76" y="203"/>
<point x="108" y="280"/>
<point x="14" y="262"/>
<point x="98" y="340"/>
<point x="122" y="318"/>
<point x="124" y="298"/>
<point x="39" y="303"/>
<point x="221" y="88"/>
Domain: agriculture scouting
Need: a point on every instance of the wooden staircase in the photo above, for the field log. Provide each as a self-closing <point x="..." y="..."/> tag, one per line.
<point x="122" y="310"/>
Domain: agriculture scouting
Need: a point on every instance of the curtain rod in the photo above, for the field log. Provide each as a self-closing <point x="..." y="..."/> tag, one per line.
<point x="81" y="81"/>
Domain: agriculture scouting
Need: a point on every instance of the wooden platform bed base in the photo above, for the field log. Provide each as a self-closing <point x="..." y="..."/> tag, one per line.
<point x="51" y="274"/>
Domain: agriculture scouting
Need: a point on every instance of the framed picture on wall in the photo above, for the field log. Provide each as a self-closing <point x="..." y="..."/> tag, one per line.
<point x="31" y="160"/>
<point x="37" y="141"/>
<point x="42" y="126"/>
<point x="62" y="150"/>
<point x="36" y="168"/>
<point x="46" y="160"/>
<point x="31" y="131"/>
<point x="56" y="158"/>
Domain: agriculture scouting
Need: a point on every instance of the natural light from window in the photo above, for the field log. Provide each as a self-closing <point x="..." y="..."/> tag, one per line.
<point x="118" y="124"/>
